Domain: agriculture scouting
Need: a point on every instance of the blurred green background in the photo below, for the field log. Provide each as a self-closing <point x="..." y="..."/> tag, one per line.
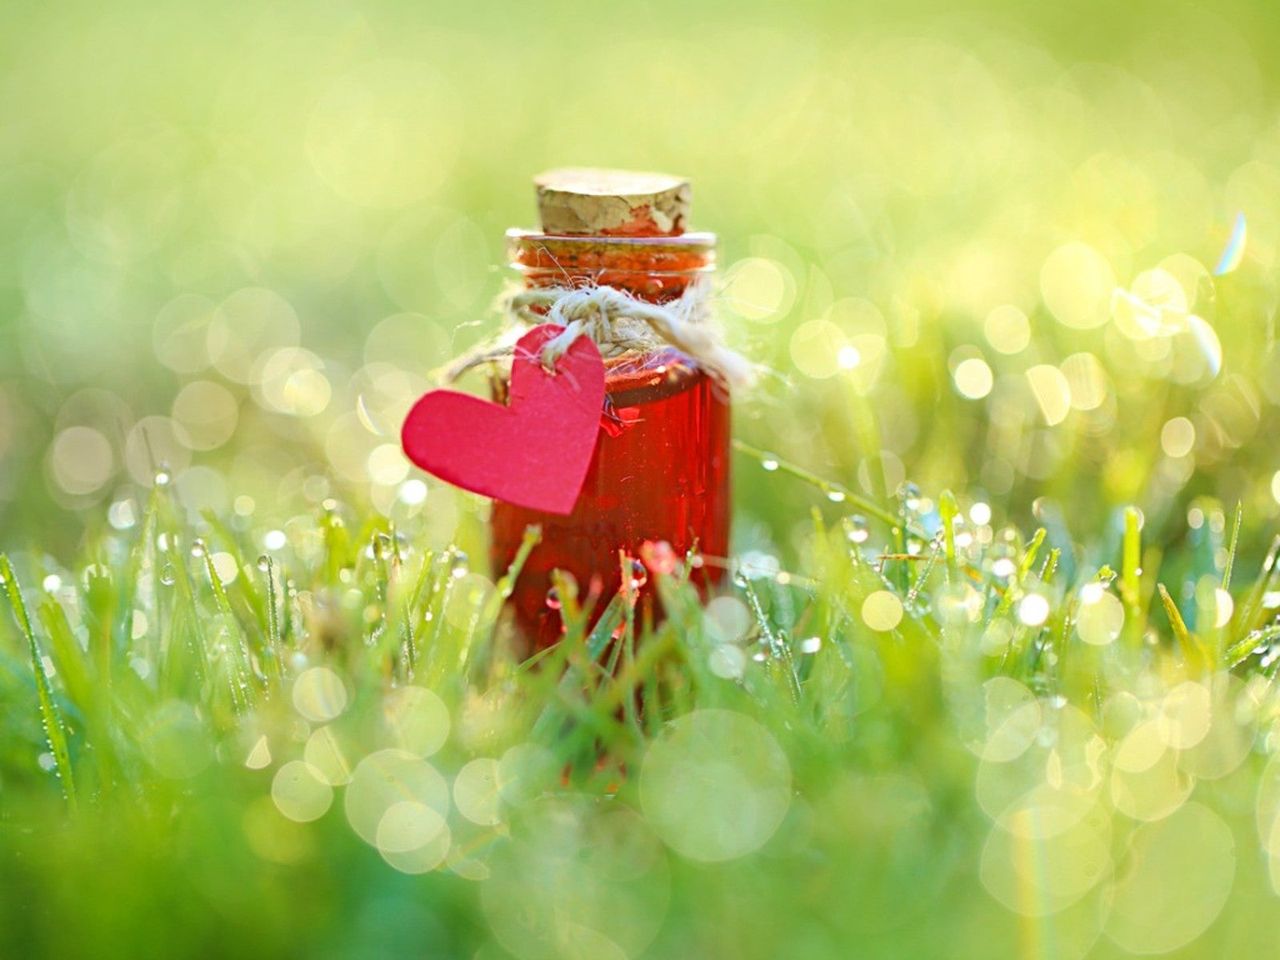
<point x="236" y="239"/>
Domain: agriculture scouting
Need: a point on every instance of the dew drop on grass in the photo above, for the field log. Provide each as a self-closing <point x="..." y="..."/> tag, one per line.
<point x="836" y="496"/>
<point x="553" y="599"/>
<point x="168" y="575"/>
<point x="122" y="515"/>
<point x="264" y="563"/>
<point x="1033" y="610"/>
<point x="769" y="464"/>
<point x="856" y="530"/>
<point x="198" y="547"/>
<point x="910" y="494"/>
<point x="163" y="477"/>
<point x="459" y="565"/>
<point x="639" y="575"/>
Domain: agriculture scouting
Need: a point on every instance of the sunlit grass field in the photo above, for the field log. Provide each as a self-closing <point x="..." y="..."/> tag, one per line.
<point x="992" y="672"/>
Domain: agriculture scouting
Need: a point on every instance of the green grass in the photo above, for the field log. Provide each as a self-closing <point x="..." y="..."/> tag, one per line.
<point x="209" y="749"/>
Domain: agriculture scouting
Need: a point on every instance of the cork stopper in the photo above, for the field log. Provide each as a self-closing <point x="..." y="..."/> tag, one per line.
<point x="594" y="202"/>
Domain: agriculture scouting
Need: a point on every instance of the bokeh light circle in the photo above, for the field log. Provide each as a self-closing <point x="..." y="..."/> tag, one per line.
<point x="416" y="720"/>
<point x="386" y="778"/>
<point x="715" y="785"/>
<point x="300" y="793"/>
<point x="319" y="694"/>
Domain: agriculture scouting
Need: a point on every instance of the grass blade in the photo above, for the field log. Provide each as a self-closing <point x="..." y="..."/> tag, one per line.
<point x="1231" y="548"/>
<point x="51" y="718"/>
<point x="1192" y="648"/>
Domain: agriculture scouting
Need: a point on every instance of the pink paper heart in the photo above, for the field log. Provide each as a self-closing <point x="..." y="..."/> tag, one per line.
<point x="535" y="451"/>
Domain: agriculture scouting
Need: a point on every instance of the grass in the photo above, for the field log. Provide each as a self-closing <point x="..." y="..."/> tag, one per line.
<point x="329" y="749"/>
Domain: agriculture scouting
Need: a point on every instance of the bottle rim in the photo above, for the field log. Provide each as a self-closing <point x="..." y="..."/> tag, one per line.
<point x="694" y="238"/>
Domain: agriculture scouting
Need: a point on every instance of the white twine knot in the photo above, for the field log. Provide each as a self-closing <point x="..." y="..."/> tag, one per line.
<point x="618" y="323"/>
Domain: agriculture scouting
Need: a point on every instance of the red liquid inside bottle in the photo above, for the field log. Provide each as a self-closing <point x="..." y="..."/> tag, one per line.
<point x="660" y="471"/>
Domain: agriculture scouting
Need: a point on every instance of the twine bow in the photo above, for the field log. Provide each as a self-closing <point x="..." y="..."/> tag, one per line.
<point x="618" y="323"/>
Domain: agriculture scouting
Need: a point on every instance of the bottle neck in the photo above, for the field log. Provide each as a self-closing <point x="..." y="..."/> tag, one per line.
<point x="656" y="269"/>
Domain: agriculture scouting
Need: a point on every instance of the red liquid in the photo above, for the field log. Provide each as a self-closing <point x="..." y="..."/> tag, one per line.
<point x="659" y="472"/>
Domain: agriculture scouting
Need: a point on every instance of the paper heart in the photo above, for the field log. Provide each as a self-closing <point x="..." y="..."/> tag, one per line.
<point x="534" y="452"/>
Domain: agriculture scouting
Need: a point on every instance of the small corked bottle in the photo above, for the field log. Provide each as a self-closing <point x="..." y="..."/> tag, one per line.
<point x="660" y="469"/>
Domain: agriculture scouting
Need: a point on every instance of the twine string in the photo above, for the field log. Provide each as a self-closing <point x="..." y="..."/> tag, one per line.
<point x="618" y="323"/>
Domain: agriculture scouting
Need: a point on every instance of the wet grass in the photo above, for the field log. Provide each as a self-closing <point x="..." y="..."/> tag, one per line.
<point x="927" y="738"/>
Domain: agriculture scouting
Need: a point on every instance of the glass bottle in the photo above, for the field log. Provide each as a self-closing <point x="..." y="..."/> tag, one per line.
<point x="660" y="470"/>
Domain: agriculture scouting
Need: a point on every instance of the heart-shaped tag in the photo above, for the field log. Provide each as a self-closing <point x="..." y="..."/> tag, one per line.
<point x="535" y="451"/>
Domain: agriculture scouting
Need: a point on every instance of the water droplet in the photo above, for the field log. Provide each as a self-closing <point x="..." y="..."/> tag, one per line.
<point x="163" y="477"/>
<point x="122" y="515"/>
<point x="1004" y="568"/>
<point x="553" y="599"/>
<point x="198" y="547"/>
<point x="639" y="575"/>
<point x="835" y="496"/>
<point x="1033" y="610"/>
<point x="660" y="557"/>
<point x="811" y="644"/>
<point x="168" y="575"/>
<point x="910" y="494"/>
<point x="51" y="583"/>
<point x="264" y="563"/>
<point x="769" y="464"/>
<point x="459" y="565"/>
<point x="856" y="529"/>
